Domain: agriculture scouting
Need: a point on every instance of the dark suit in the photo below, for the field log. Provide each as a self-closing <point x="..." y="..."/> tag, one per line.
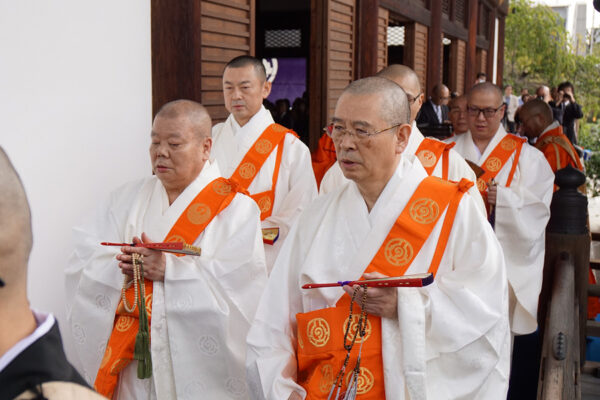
<point x="43" y="361"/>
<point x="571" y="112"/>
<point x="428" y="117"/>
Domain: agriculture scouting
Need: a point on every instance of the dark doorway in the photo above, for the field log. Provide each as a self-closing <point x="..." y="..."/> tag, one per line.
<point x="395" y="39"/>
<point x="446" y="62"/>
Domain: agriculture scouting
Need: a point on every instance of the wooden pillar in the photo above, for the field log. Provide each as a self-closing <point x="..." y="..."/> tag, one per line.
<point x="175" y="52"/>
<point x="492" y="37"/>
<point x="367" y="38"/>
<point x="500" y="69"/>
<point x="434" y="53"/>
<point x="470" y="70"/>
<point x="317" y="74"/>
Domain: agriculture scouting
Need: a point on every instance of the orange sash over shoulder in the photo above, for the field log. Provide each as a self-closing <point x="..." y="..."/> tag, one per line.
<point x="254" y="159"/>
<point x="191" y="223"/>
<point x="320" y="333"/>
<point x="497" y="159"/>
<point x="429" y="153"/>
<point x="557" y="140"/>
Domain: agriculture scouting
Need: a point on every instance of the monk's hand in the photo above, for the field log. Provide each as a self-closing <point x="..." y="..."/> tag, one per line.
<point x="154" y="260"/>
<point x="382" y="302"/>
<point x="492" y="193"/>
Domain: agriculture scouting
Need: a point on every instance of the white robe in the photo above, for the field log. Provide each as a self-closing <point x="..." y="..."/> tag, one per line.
<point x="457" y="169"/>
<point x="200" y="313"/>
<point x="451" y="339"/>
<point x="296" y="186"/>
<point x="522" y="212"/>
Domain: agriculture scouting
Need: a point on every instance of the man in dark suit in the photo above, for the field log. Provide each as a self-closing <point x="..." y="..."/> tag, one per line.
<point x="571" y="111"/>
<point x="435" y="111"/>
<point x="32" y="359"/>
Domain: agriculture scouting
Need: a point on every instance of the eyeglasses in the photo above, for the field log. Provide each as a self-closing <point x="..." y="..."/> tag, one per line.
<point x="487" y="112"/>
<point x="411" y="99"/>
<point x="336" y="131"/>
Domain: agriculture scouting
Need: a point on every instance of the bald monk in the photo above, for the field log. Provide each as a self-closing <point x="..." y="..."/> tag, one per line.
<point x="537" y="123"/>
<point x="32" y="359"/>
<point x="199" y="308"/>
<point x="517" y="185"/>
<point x="458" y="114"/>
<point x="438" y="158"/>
<point x="449" y="340"/>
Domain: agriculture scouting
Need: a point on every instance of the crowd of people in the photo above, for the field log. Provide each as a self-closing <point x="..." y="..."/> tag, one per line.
<point x="239" y="275"/>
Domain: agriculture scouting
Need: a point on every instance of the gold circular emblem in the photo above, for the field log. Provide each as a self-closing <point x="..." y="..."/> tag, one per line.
<point x="318" y="331"/>
<point x="118" y="365"/>
<point x="354" y="327"/>
<point x="326" y="378"/>
<point x="198" y="213"/>
<point x="481" y="185"/>
<point x="221" y="188"/>
<point x="247" y="170"/>
<point x="149" y="304"/>
<point x="176" y="238"/>
<point x="124" y="322"/>
<point x="509" y="144"/>
<point x="107" y="354"/>
<point x="424" y="210"/>
<point x="279" y="128"/>
<point x="263" y="146"/>
<point x="300" y="341"/>
<point x="398" y="252"/>
<point x="365" y="381"/>
<point x="427" y="158"/>
<point x="493" y="164"/>
<point x="264" y="204"/>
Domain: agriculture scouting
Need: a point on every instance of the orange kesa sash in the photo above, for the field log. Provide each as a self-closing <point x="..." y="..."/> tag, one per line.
<point x="119" y="351"/>
<point x="320" y="334"/>
<point x="429" y="153"/>
<point x="254" y="159"/>
<point x="497" y="159"/>
<point x="557" y="139"/>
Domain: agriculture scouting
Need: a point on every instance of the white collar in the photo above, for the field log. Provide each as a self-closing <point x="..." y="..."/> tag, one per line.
<point x="44" y="324"/>
<point x="553" y="125"/>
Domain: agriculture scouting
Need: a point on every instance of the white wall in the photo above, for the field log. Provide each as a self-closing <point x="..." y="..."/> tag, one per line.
<point x="75" y="117"/>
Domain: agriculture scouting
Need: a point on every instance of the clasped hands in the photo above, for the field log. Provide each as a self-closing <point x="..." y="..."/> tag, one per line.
<point x="382" y="302"/>
<point x="154" y="260"/>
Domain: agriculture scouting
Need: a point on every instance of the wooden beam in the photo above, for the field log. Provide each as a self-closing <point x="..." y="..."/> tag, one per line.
<point x="367" y="38"/>
<point x="492" y="35"/>
<point x="470" y="70"/>
<point x="500" y="70"/>
<point x="434" y="54"/>
<point x="410" y="9"/>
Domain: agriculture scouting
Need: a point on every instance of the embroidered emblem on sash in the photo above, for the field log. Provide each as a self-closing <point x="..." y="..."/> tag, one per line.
<point x="221" y="188"/>
<point x="263" y="146"/>
<point x="424" y="211"/>
<point x="427" y="158"/>
<point x="326" y="378"/>
<point x="149" y="304"/>
<point x="354" y="327"/>
<point x="176" y="238"/>
<point x="279" y="128"/>
<point x="481" y="185"/>
<point x="124" y="323"/>
<point x="107" y="355"/>
<point x="365" y="381"/>
<point x="264" y="204"/>
<point x="398" y="252"/>
<point x="318" y="332"/>
<point x="118" y="365"/>
<point x="509" y="144"/>
<point x="198" y="213"/>
<point x="300" y="341"/>
<point x="493" y="164"/>
<point x="247" y="170"/>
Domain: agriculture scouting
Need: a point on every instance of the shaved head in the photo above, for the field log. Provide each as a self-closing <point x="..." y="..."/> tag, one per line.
<point x="15" y="227"/>
<point x="408" y="80"/>
<point x="486" y="88"/>
<point x="194" y="113"/>
<point x="394" y="108"/>
<point x="537" y="106"/>
<point x="535" y="116"/>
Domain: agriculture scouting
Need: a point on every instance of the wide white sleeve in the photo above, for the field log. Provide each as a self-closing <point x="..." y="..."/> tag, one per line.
<point x="458" y="169"/>
<point x="522" y="213"/>
<point x="271" y="359"/>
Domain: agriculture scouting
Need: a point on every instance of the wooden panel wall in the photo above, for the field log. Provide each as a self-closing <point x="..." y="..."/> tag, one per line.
<point x="482" y="61"/>
<point x="382" y="49"/>
<point x="226" y="31"/>
<point x="341" y="16"/>
<point x="461" y="58"/>
<point x="420" y="54"/>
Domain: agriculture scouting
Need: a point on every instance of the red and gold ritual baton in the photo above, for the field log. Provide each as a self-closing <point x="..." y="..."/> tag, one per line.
<point x="169" y="247"/>
<point x="416" y="280"/>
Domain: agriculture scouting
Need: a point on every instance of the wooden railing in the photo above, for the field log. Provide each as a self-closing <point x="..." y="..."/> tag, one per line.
<point x="560" y="360"/>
